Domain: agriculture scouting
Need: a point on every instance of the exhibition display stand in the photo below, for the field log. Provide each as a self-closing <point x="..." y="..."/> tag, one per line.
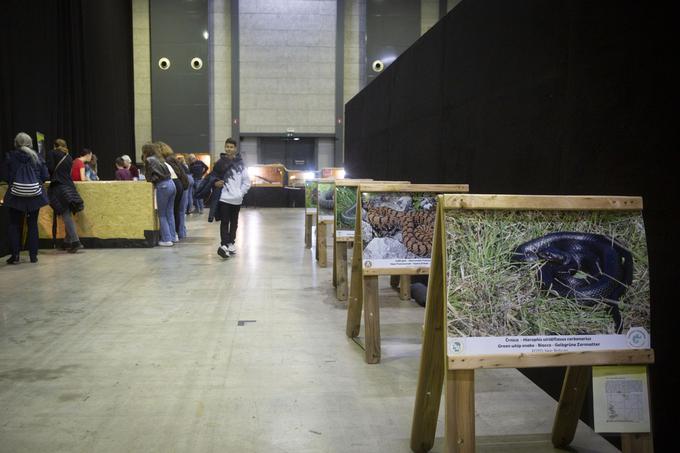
<point x="324" y="218"/>
<point x="401" y="220"/>
<point x="497" y="300"/>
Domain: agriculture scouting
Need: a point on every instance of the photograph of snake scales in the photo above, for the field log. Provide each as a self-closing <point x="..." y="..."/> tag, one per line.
<point x="397" y="225"/>
<point x="513" y="273"/>
<point x="325" y="200"/>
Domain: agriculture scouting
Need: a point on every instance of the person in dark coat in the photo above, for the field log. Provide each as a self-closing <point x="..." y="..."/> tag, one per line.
<point x="63" y="195"/>
<point x="21" y="207"/>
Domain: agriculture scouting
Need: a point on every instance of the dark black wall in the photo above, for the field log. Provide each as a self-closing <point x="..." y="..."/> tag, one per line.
<point x="67" y="72"/>
<point x="536" y="97"/>
<point x="179" y="95"/>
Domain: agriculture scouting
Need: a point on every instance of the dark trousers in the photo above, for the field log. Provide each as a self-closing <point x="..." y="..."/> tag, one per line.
<point x="178" y="199"/>
<point x="228" y="222"/>
<point x="16" y="222"/>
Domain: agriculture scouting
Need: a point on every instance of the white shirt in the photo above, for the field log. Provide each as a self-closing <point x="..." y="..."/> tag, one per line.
<point x="173" y="175"/>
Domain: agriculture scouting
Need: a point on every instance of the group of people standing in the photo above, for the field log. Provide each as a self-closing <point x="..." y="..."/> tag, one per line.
<point x="26" y="173"/>
<point x="125" y="171"/>
<point x="174" y="180"/>
<point x="179" y="185"/>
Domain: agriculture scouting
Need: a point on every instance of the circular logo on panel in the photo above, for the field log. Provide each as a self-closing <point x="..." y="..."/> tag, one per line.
<point x="637" y="337"/>
<point x="456" y="347"/>
<point x="368" y="264"/>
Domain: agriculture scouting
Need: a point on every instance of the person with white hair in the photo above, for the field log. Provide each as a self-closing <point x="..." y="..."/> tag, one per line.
<point x="134" y="171"/>
<point x="26" y="174"/>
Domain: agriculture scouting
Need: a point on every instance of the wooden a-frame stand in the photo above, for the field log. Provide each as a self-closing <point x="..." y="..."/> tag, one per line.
<point x="458" y="372"/>
<point x="340" y="244"/>
<point x="322" y="231"/>
<point x="310" y="220"/>
<point x="364" y="282"/>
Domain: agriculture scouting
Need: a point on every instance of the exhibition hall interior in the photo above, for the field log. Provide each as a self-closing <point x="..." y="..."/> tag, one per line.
<point x="338" y="226"/>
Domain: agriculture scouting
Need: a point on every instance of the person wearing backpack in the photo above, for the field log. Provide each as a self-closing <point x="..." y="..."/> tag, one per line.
<point x="26" y="174"/>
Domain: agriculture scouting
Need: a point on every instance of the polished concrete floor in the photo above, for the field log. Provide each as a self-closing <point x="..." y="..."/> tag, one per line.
<point x="173" y="349"/>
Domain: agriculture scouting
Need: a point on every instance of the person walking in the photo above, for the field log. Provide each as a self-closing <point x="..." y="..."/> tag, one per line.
<point x="62" y="193"/>
<point x="233" y="184"/>
<point x="157" y="172"/>
<point x="26" y="174"/>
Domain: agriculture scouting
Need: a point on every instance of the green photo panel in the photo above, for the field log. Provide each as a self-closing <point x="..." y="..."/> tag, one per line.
<point x="546" y="281"/>
<point x="311" y="195"/>
<point x="326" y="202"/>
<point x="345" y="211"/>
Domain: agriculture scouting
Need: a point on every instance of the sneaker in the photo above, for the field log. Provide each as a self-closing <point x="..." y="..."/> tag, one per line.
<point x="232" y="248"/>
<point x="176" y="239"/>
<point x="223" y="251"/>
<point x="166" y="243"/>
<point x="74" y="247"/>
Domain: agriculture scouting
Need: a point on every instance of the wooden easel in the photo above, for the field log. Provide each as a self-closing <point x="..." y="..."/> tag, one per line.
<point x="437" y="367"/>
<point x="322" y="223"/>
<point x="310" y="213"/>
<point x="364" y="281"/>
<point x="341" y="241"/>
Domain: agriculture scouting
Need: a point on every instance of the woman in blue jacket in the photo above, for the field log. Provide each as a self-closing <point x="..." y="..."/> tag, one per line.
<point x="25" y="161"/>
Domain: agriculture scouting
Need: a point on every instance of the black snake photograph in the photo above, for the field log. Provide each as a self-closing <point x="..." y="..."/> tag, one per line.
<point x="518" y="273"/>
<point x="589" y="268"/>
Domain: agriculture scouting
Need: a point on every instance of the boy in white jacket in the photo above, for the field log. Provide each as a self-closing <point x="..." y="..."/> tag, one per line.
<point x="235" y="183"/>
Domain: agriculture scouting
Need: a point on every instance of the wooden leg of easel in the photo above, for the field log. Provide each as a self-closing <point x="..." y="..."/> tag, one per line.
<point x="636" y="443"/>
<point x="356" y="299"/>
<point x="405" y="287"/>
<point x="394" y="281"/>
<point x="335" y="258"/>
<point x="321" y="244"/>
<point x="432" y="370"/>
<point x="308" y="231"/>
<point x="574" y="389"/>
<point x="372" y="319"/>
<point x="316" y="252"/>
<point x="460" y="411"/>
<point x="341" y="270"/>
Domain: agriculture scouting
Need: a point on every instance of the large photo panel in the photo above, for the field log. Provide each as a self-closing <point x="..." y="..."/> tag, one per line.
<point x="345" y="211"/>
<point x="533" y="281"/>
<point x="326" y="200"/>
<point x="397" y="229"/>
<point x="311" y="195"/>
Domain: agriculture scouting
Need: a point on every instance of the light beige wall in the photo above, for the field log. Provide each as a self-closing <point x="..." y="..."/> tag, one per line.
<point x="353" y="64"/>
<point x="287" y="65"/>
<point x="220" y="88"/>
<point x="429" y="14"/>
<point x="142" y="75"/>
<point x="450" y="4"/>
